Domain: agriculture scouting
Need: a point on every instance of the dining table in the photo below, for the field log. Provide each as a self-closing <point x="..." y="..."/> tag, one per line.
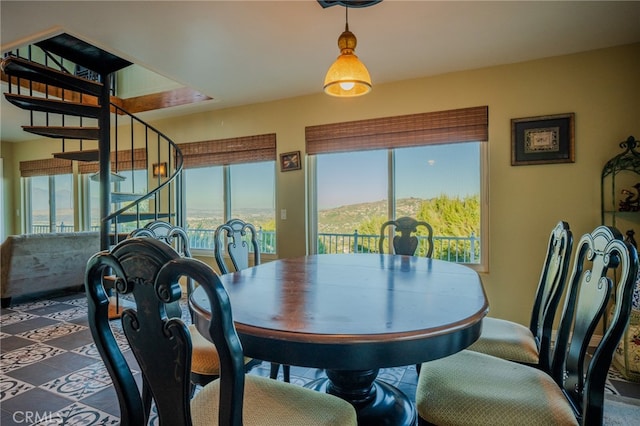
<point x="353" y="314"/>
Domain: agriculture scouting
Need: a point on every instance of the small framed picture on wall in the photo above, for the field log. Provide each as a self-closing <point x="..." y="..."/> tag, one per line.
<point x="290" y="161"/>
<point x="542" y="140"/>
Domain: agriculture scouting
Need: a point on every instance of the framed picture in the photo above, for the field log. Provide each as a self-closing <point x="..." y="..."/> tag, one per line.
<point x="290" y="161"/>
<point x="542" y="140"/>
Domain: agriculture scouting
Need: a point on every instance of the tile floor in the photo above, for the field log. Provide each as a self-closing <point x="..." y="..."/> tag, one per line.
<point x="51" y="373"/>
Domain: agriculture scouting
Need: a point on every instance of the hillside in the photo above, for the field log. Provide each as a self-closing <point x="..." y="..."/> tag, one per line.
<point x="346" y="219"/>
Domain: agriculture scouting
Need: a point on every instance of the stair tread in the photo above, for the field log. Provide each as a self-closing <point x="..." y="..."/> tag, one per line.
<point x="53" y="105"/>
<point x="132" y="217"/>
<point x="117" y="197"/>
<point x="23" y="68"/>
<point x="84" y="155"/>
<point x="67" y="132"/>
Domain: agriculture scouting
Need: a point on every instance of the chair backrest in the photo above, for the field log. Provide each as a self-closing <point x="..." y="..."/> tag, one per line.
<point x="601" y="256"/>
<point x="174" y="236"/>
<point x="235" y="232"/>
<point x="550" y="288"/>
<point x="149" y="270"/>
<point x="407" y="243"/>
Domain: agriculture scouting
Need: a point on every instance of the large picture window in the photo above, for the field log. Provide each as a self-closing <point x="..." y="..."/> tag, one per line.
<point x="433" y="170"/>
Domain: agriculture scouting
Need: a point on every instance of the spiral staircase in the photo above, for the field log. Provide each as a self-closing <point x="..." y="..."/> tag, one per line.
<point x="66" y="84"/>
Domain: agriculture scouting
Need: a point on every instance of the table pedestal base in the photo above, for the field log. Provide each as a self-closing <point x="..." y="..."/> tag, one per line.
<point x="376" y="402"/>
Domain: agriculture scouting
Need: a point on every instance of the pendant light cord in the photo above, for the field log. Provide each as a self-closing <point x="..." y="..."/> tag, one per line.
<point x="346" y="17"/>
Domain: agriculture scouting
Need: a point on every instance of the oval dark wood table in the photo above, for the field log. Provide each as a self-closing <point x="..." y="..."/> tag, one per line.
<point x="353" y="314"/>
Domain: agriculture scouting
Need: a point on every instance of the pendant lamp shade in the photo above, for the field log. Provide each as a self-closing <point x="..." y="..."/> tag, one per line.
<point x="347" y="77"/>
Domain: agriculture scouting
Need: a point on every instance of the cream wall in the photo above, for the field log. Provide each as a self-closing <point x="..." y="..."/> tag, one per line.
<point x="601" y="87"/>
<point x="7" y="212"/>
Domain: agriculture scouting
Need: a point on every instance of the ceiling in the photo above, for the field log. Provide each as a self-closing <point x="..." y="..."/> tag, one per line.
<point x="244" y="52"/>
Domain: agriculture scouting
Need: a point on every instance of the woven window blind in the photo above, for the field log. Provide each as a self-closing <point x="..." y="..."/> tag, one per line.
<point x="122" y="161"/>
<point x="246" y="149"/>
<point x="458" y="125"/>
<point x="47" y="167"/>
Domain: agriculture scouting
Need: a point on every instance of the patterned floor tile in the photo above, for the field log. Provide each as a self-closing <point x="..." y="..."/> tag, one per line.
<point x="26" y="325"/>
<point x="10" y="387"/>
<point x="11" y="343"/>
<point x="28" y="306"/>
<point x="15" y="317"/>
<point x="78" y="414"/>
<point x="89" y="350"/>
<point x="80" y="384"/>
<point x="80" y="301"/>
<point x="69" y="314"/>
<point x="27" y="355"/>
<point x="51" y="332"/>
<point x="391" y="375"/>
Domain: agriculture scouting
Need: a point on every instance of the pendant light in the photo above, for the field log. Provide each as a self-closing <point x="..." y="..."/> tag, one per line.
<point x="347" y="77"/>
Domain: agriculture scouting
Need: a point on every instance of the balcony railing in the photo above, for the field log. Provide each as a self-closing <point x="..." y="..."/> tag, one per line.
<point x="452" y="249"/>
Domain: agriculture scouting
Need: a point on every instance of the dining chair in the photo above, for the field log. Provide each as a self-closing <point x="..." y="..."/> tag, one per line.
<point x="150" y="271"/>
<point x="407" y="243"/>
<point x="205" y="363"/>
<point x="238" y="234"/>
<point x="475" y="388"/>
<point x="532" y="345"/>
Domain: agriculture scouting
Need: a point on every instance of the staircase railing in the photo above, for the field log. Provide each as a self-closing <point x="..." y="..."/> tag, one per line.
<point x="163" y="155"/>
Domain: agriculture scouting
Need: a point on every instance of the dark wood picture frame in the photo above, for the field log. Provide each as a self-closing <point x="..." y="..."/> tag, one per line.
<point x="544" y="139"/>
<point x="290" y="161"/>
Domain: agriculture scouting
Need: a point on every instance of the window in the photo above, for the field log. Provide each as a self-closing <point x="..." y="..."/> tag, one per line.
<point x="428" y="166"/>
<point x="49" y="203"/>
<point x="226" y="179"/>
<point x="48" y="195"/>
<point x="249" y="195"/>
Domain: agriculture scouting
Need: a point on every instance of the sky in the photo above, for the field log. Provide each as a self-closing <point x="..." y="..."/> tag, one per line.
<point x="421" y="172"/>
<point x="345" y="178"/>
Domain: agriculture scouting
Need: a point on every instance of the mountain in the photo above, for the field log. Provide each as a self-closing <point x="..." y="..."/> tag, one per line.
<point x="346" y="219"/>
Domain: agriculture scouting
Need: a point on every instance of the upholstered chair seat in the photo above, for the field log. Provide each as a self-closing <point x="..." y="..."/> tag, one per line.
<point x="270" y="402"/>
<point x="475" y="389"/>
<point x="507" y="340"/>
<point x="204" y="355"/>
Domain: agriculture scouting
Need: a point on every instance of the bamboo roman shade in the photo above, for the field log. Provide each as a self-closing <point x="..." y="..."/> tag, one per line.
<point x="46" y="167"/>
<point x="246" y="149"/>
<point x="458" y="125"/>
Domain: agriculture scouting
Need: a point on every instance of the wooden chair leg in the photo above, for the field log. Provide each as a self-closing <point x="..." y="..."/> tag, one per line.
<point x="286" y="371"/>
<point x="274" y="370"/>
